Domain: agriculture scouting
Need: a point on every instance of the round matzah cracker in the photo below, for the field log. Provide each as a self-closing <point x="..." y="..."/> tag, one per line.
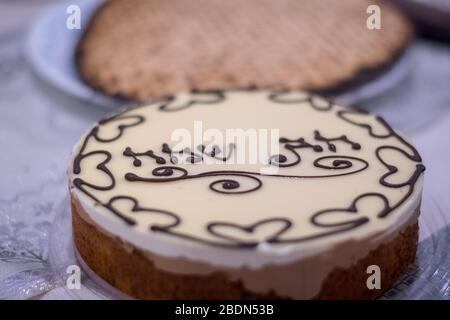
<point x="140" y="49"/>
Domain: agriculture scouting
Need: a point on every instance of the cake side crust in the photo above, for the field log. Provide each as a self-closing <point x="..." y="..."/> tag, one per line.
<point x="131" y="271"/>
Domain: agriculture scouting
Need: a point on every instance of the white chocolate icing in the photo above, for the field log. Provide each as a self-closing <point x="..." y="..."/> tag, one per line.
<point x="302" y="211"/>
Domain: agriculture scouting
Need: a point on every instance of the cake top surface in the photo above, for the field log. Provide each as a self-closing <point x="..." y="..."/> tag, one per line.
<point x="245" y="172"/>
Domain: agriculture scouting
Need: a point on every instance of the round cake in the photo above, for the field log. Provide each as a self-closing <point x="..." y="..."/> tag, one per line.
<point x="245" y="194"/>
<point x="141" y="49"/>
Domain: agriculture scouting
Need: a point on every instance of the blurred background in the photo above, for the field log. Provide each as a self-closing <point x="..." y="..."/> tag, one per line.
<point x="44" y="110"/>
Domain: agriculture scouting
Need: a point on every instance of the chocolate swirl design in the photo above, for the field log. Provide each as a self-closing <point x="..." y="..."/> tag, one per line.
<point x="232" y="186"/>
<point x="224" y="186"/>
<point x="228" y="234"/>
<point x="338" y="163"/>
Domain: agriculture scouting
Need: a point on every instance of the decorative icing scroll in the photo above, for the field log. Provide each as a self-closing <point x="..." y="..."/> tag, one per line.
<point x="273" y="230"/>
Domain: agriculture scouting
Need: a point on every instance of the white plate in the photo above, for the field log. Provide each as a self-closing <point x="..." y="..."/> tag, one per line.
<point x="51" y="46"/>
<point x="50" y="50"/>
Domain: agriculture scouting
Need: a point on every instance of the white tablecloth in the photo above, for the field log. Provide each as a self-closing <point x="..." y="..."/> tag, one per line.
<point x="39" y="126"/>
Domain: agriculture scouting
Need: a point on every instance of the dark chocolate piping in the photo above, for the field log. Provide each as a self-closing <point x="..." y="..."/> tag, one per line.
<point x="332" y="146"/>
<point x="121" y="128"/>
<point x="136" y="208"/>
<point x="340" y="163"/>
<point x="391" y="133"/>
<point x="340" y="226"/>
<point x="196" y="157"/>
<point x="128" y="152"/>
<point x="211" y="227"/>
<point x="229" y="184"/>
<point x="292" y="145"/>
<point x="277" y="97"/>
<point x="218" y="96"/>
<point x="80" y="183"/>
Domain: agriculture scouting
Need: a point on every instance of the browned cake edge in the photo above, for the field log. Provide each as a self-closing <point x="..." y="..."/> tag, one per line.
<point x="354" y="81"/>
<point x="128" y="268"/>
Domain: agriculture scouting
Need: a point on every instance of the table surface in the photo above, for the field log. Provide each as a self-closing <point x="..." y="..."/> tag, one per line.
<point x="39" y="125"/>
